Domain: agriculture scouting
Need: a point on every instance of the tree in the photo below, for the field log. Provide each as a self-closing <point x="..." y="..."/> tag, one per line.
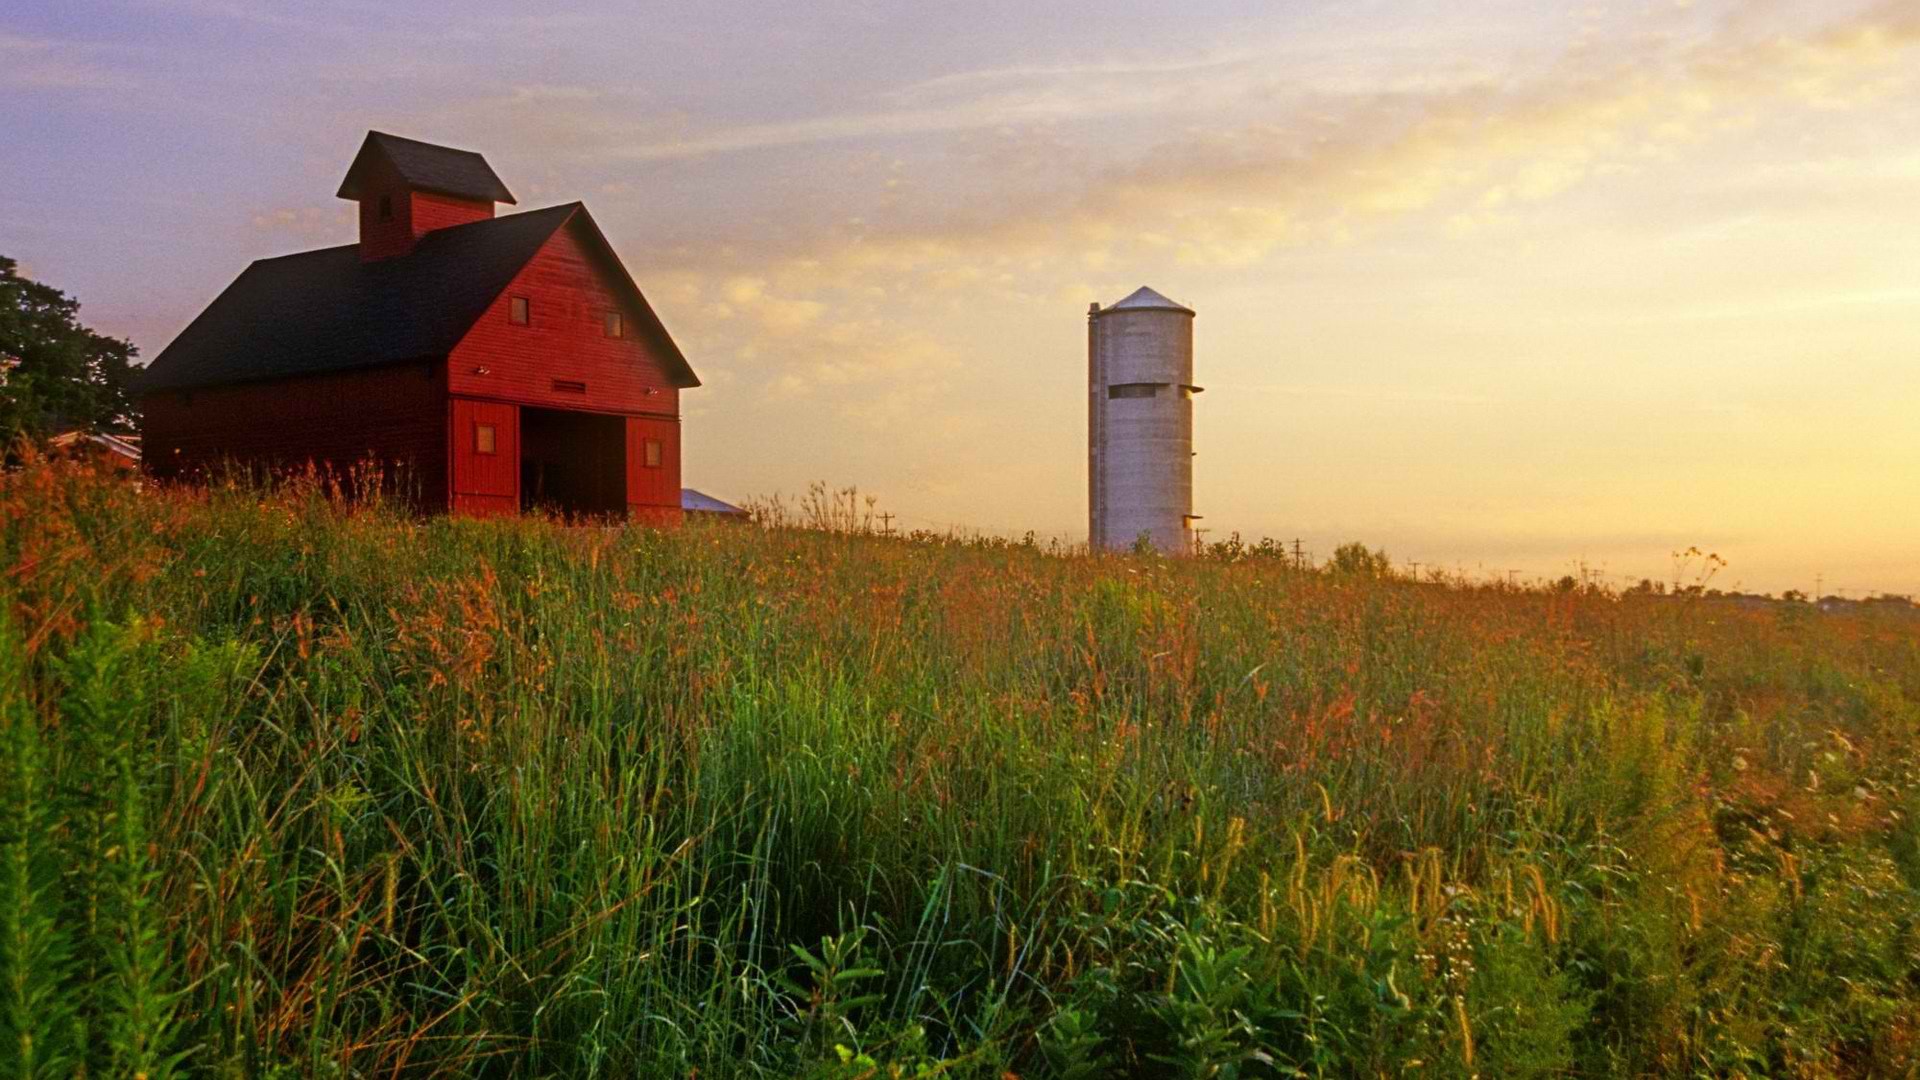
<point x="1354" y="558"/>
<point x="54" y="372"/>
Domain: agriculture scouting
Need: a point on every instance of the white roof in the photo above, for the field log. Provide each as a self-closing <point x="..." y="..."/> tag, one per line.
<point x="125" y="446"/>
<point x="701" y="501"/>
<point x="1144" y="297"/>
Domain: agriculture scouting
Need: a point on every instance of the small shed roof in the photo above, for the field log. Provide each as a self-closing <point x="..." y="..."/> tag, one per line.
<point x="425" y="167"/>
<point x="126" y="446"/>
<point x="700" y="503"/>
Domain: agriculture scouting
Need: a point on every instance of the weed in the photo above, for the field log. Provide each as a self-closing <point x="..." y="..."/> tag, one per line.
<point x="291" y="784"/>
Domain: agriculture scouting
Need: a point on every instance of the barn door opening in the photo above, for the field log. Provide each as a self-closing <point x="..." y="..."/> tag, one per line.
<point x="572" y="463"/>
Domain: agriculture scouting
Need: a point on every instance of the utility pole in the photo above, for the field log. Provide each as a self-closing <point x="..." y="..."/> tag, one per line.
<point x="1298" y="562"/>
<point x="886" y="524"/>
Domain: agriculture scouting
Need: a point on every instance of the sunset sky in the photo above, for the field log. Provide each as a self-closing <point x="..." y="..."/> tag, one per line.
<point x="1494" y="285"/>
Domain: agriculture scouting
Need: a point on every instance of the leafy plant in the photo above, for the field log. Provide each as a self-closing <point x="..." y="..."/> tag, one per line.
<point x="293" y="785"/>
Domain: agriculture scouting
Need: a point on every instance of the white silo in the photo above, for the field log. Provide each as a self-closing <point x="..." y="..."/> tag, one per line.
<point x="1140" y="424"/>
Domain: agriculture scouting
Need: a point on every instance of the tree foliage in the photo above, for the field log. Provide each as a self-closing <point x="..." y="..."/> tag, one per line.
<point x="54" y="371"/>
<point x="1355" y="558"/>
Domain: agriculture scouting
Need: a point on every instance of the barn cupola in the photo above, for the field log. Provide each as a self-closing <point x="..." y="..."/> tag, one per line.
<point x="406" y="189"/>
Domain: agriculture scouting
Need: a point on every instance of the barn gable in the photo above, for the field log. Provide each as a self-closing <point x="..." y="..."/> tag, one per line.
<point x="566" y="354"/>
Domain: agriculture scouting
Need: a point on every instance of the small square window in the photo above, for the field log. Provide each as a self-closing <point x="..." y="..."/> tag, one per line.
<point x="653" y="454"/>
<point x="519" y="311"/>
<point x="386" y="208"/>
<point x="483" y="438"/>
<point x="615" y="327"/>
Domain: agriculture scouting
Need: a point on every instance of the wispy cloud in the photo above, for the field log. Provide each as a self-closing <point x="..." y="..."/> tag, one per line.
<point x="332" y="223"/>
<point x="1094" y="69"/>
<point x="1484" y="147"/>
<point x="28" y="63"/>
<point x="1398" y="395"/>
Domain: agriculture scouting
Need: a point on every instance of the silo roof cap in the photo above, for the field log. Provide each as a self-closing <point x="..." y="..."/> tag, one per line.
<point x="1144" y="297"/>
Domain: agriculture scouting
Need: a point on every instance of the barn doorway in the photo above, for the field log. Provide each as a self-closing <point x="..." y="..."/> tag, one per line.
<point x="572" y="464"/>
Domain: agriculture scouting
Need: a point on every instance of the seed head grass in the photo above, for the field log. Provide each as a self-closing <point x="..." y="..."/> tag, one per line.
<point x="300" y="786"/>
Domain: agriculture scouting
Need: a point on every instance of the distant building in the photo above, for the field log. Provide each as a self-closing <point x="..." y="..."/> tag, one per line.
<point x="701" y="504"/>
<point x="508" y="362"/>
<point x="120" y="451"/>
<point x="1140" y="424"/>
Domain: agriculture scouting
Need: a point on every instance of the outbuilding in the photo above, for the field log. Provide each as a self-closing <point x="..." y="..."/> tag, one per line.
<point x="476" y="364"/>
<point x="699" y="504"/>
<point x="81" y="444"/>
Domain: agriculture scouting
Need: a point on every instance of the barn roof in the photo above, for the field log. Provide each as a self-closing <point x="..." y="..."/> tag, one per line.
<point x="327" y="310"/>
<point x="426" y="167"/>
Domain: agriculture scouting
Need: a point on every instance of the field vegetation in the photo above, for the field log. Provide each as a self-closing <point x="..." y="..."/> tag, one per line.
<point x="296" y="787"/>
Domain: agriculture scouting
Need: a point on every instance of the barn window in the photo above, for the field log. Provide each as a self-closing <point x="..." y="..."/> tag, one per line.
<point x="386" y="208"/>
<point x="483" y="438"/>
<point x="614" y="325"/>
<point x="653" y="454"/>
<point x="519" y="311"/>
<point x="569" y="386"/>
<point x="1134" y="390"/>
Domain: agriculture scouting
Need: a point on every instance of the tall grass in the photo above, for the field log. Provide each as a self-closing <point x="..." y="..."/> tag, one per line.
<point x="298" y="787"/>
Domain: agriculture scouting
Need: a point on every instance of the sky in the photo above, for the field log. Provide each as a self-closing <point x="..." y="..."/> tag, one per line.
<point x="1495" y="285"/>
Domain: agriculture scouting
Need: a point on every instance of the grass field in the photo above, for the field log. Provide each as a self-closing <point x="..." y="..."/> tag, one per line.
<point x="296" y="789"/>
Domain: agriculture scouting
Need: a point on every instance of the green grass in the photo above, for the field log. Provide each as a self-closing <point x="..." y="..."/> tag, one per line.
<point x="291" y="788"/>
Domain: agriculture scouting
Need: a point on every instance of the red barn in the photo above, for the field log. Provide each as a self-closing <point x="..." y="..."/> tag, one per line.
<point x="493" y="364"/>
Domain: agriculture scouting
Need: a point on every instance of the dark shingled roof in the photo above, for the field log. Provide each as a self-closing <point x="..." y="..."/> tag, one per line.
<point x="426" y="167"/>
<point x="326" y="310"/>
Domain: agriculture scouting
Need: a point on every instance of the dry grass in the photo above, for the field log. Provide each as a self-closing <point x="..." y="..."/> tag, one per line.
<point x="305" y="788"/>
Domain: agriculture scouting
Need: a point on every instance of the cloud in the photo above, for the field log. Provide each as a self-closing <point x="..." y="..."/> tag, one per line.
<point x="1129" y="69"/>
<point x="987" y="100"/>
<point x="45" y="64"/>
<point x="1380" y="394"/>
<point x="334" y="222"/>
<point x="275" y="14"/>
<point x="1388" y="156"/>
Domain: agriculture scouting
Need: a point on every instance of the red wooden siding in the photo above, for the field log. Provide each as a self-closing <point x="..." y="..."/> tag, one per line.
<point x="394" y="236"/>
<point x="485" y="481"/>
<point x="415" y="213"/>
<point x="429" y="211"/>
<point x="653" y="491"/>
<point x="565" y="342"/>
<point x="395" y="415"/>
